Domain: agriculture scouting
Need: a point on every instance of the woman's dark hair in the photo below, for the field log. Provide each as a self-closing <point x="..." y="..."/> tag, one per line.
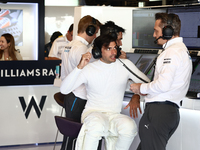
<point x="55" y="35"/>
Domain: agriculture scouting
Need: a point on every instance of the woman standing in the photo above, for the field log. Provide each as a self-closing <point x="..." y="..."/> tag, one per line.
<point x="7" y="48"/>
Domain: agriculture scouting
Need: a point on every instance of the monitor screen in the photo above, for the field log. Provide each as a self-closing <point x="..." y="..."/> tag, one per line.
<point x="144" y="62"/>
<point x="143" y="28"/>
<point x="134" y="57"/>
<point x="150" y="73"/>
<point x="11" y="21"/>
<point x="195" y="80"/>
<point x="190" y="25"/>
<point x="144" y="19"/>
<point x="21" y="20"/>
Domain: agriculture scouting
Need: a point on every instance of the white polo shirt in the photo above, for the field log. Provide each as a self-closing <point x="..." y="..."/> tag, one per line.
<point x="58" y="47"/>
<point x="172" y="74"/>
<point x="70" y="59"/>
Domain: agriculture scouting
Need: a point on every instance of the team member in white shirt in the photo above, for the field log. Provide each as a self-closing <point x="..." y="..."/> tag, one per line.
<point x="169" y="86"/>
<point x="105" y="81"/>
<point x="74" y="102"/>
<point x="59" y="45"/>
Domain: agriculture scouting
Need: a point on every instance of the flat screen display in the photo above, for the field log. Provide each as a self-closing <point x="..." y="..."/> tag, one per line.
<point x="150" y="73"/>
<point x="143" y="28"/>
<point x="145" y="62"/>
<point x="11" y="21"/>
<point x="195" y="80"/>
<point x="190" y="25"/>
<point x="144" y="19"/>
<point x="134" y="57"/>
<point x="194" y="86"/>
<point x="21" y="20"/>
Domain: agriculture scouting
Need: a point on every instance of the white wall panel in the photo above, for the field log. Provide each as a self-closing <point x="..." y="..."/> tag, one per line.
<point x="15" y="128"/>
<point x="122" y="16"/>
<point x="58" y="18"/>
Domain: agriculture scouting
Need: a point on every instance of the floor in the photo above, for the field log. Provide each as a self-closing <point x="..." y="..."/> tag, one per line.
<point x="45" y="146"/>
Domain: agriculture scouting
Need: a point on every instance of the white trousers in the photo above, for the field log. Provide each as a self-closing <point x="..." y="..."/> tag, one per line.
<point x="118" y="130"/>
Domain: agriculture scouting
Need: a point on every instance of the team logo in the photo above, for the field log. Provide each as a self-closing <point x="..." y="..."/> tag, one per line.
<point x="32" y="103"/>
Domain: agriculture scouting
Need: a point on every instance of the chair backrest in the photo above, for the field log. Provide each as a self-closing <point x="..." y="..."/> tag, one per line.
<point x="59" y="97"/>
<point x="68" y="127"/>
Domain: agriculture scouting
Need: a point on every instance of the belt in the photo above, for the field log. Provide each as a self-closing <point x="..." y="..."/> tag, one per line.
<point x="164" y="103"/>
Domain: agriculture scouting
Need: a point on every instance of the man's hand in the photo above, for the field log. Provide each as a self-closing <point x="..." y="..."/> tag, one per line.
<point x="85" y="59"/>
<point x="123" y="55"/>
<point x="135" y="87"/>
<point x="134" y="104"/>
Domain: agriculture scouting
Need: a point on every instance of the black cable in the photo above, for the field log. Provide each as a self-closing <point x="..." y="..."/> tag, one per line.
<point x="165" y="46"/>
<point x="133" y="72"/>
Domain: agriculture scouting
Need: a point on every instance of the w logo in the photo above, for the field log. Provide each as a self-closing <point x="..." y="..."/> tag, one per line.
<point x="32" y="103"/>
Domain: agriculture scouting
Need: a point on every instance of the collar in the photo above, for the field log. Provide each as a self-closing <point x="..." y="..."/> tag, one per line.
<point x="81" y="39"/>
<point x="105" y="64"/>
<point x="172" y="41"/>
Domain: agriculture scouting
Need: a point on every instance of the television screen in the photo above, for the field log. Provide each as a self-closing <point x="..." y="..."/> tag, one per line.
<point x="143" y="28"/>
<point x="146" y="62"/>
<point x="134" y="57"/>
<point x="143" y="23"/>
<point x="194" y="87"/>
<point x="21" y="20"/>
<point x="11" y="21"/>
<point x="190" y="25"/>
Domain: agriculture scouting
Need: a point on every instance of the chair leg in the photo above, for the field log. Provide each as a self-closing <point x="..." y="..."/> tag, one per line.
<point x="57" y="133"/>
<point x="66" y="144"/>
<point x="73" y="144"/>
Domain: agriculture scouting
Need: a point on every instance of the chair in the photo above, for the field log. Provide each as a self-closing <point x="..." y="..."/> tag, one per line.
<point x="68" y="127"/>
<point x="64" y="124"/>
<point x="59" y="98"/>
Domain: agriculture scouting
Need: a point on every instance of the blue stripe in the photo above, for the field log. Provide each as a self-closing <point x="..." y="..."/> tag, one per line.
<point x="73" y="104"/>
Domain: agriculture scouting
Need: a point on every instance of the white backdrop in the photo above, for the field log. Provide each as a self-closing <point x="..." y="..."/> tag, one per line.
<point x="15" y="128"/>
<point x="58" y="18"/>
<point x="122" y="16"/>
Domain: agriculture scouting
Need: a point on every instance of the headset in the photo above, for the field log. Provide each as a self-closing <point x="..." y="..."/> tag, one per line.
<point x="91" y="29"/>
<point x="168" y="31"/>
<point x="96" y="51"/>
<point x="111" y="31"/>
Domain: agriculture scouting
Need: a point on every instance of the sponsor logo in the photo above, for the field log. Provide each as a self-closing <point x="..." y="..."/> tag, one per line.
<point x="32" y="103"/>
<point x="27" y="73"/>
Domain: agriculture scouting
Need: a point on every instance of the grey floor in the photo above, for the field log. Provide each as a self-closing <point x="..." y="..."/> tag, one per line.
<point x="33" y="147"/>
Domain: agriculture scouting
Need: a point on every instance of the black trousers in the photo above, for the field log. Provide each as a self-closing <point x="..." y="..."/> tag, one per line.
<point x="73" y="107"/>
<point x="158" y="123"/>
